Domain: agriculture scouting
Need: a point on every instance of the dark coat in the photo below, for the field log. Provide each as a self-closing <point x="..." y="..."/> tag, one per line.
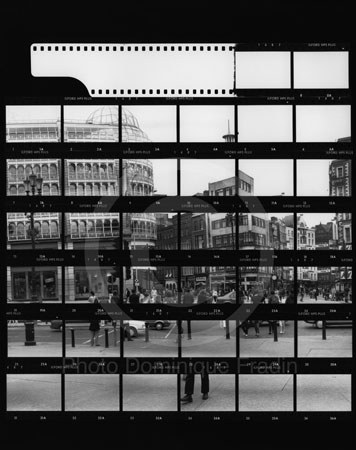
<point x="94" y="325"/>
<point x="134" y="299"/>
<point x="188" y="298"/>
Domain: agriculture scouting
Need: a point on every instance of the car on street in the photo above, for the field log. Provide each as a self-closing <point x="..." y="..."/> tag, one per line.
<point x="330" y="323"/>
<point x="227" y="298"/>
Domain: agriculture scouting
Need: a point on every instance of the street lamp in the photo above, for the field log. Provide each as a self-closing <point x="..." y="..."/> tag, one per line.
<point x="33" y="184"/>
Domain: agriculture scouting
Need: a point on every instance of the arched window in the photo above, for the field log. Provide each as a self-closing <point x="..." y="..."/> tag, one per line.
<point x="96" y="190"/>
<point x="88" y="174"/>
<point x="28" y="171"/>
<point x="46" y="190"/>
<point x="111" y="190"/>
<point x="96" y="171"/>
<point x="54" y="189"/>
<point x="45" y="172"/>
<point x="88" y="190"/>
<point x="53" y="172"/>
<point x="20" y="173"/>
<point x="37" y="226"/>
<point x="21" y="230"/>
<point x="111" y="170"/>
<point x="74" y="229"/>
<point x="82" y="228"/>
<point x="115" y="227"/>
<point x="99" y="227"/>
<point x="37" y="170"/>
<point x="80" y="190"/>
<point x="21" y="190"/>
<point x="91" y="228"/>
<point x="12" y="231"/>
<point x="80" y="171"/>
<point x="72" y="189"/>
<point x="103" y="173"/>
<point x="107" y="227"/>
<point x="71" y="171"/>
<point x="13" y="190"/>
<point x="104" y="189"/>
<point x="54" y="229"/>
<point x="45" y="230"/>
<point x="12" y="173"/>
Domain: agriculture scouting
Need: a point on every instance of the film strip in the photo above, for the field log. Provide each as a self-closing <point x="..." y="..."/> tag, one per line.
<point x="209" y="214"/>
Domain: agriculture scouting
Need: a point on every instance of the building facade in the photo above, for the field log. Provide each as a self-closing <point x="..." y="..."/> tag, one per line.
<point x="340" y="178"/>
<point x="305" y="235"/>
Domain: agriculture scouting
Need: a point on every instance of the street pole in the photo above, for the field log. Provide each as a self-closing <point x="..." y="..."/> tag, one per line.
<point x="32" y="182"/>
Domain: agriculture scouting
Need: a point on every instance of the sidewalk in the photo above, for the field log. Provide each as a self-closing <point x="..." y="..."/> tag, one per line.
<point x="259" y="347"/>
<point x="20" y="350"/>
<point x="333" y="346"/>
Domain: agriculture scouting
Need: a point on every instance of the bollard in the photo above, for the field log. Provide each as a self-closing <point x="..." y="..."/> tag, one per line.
<point x="189" y="329"/>
<point x="106" y="338"/>
<point x="324" y="330"/>
<point x="146" y="333"/>
<point x="115" y="336"/>
<point x="73" y="338"/>
<point x="275" y="333"/>
<point x="227" y="329"/>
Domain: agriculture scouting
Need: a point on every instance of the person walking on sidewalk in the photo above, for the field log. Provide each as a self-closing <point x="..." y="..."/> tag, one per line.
<point x="94" y="327"/>
<point x="282" y="323"/>
<point x="189" y="386"/>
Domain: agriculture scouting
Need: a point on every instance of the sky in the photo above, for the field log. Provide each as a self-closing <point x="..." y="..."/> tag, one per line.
<point x="324" y="123"/>
<point x="157" y="121"/>
<point x="32" y="112"/>
<point x="265" y="70"/>
<point x="271" y="176"/>
<point x="313" y="177"/>
<point x="265" y="123"/>
<point x="321" y="70"/>
<point x="313" y="219"/>
<point x="82" y="112"/>
<point x="206" y="123"/>
<point x="196" y="174"/>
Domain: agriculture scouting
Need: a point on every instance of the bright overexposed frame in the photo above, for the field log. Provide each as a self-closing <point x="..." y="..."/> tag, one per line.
<point x="157" y="121"/>
<point x="196" y="174"/>
<point x="82" y="112"/>
<point x="313" y="177"/>
<point x="324" y="123"/>
<point x="270" y="176"/>
<point x="263" y="70"/>
<point x="206" y="123"/>
<point x="265" y="123"/>
<point x="321" y="70"/>
<point x="164" y="176"/>
<point x="32" y="113"/>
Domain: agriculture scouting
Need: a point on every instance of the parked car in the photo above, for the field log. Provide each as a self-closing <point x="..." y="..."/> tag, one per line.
<point x="330" y="323"/>
<point x="227" y="298"/>
<point x="159" y="324"/>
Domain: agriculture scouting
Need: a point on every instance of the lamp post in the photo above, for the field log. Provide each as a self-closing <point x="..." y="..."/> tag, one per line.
<point x="33" y="185"/>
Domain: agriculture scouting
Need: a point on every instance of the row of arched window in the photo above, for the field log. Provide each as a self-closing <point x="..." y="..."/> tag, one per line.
<point x="91" y="171"/>
<point x="47" y="189"/>
<point x="144" y="229"/>
<point x="89" y="189"/>
<point x="45" y="171"/>
<point x="140" y="189"/>
<point x="139" y="170"/>
<point x="94" y="228"/>
<point x="45" y="230"/>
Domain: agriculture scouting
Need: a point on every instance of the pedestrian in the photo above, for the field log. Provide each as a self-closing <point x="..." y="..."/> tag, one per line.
<point x="251" y="323"/>
<point x="115" y="298"/>
<point x="346" y="291"/>
<point x="145" y="297"/>
<point x="282" y="323"/>
<point x="301" y="292"/>
<point x="127" y="295"/>
<point x="127" y="334"/>
<point x="289" y="297"/>
<point x="202" y="297"/>
<point x="189" y="386"/>
<point x="94" y="327"/>
<point x="215" y="295"/>
<point x="93" y="298"/>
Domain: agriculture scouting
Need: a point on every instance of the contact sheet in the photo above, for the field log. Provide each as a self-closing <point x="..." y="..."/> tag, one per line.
<point x="179" y="234"/>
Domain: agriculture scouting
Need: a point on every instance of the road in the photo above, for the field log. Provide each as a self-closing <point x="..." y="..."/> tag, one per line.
<point x="307" y="299"/>
<point x="42" y="392"/>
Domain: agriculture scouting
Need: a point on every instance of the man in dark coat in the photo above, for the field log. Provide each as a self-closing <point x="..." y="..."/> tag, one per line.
<point x="189" y="386"/>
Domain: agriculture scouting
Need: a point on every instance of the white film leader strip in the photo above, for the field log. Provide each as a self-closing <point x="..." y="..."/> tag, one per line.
<point x="140" y="70"/>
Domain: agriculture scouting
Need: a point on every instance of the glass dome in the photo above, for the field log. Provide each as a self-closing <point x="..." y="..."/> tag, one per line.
<point x="106" y="115"/>
<point x="131" y="131"/>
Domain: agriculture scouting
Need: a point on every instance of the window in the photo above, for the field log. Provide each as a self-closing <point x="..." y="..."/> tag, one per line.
<point x="54" y="229"/>
<point x="19" y="286"/>
<point x="256" y="221"/>
<point x="243" y="220"/>
<point x="49" y="285"/>
<point x="347" y="232"/>
<point x="340" y="191"/>
<point x="340" y="172"/>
